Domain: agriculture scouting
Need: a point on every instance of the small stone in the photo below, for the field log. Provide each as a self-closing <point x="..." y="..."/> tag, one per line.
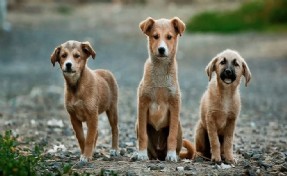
<point x="122" y="152"/>
<point x="284" y="168"/>
<point x="131" y="149"/>
<point x="247" y="155"/>
<point x="187" y="168"/>
<point x="134" y="157"/>
<point x="156" y="167"/>
<point x="129" y="144"/>
<point x="180" y="168"/>
<point x="131" y="173"/>
<point x="256" y="156"/>
<point x="278" y="157"/>
<point x="246" y="165"/>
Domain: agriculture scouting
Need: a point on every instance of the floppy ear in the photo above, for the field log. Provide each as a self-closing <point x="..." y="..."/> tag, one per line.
<point x="146" y="25"/>
<point x="211" y="67"/>
<point x="179" y="25"/>
<point x="55" y="55"/>
<point x="87" y="48"/>
<point x="246" y="73"/>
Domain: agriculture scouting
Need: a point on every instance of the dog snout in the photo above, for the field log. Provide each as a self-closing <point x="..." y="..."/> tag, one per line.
<point x="228" y="72"/>
<point x="68" y="65"/>
<point x="161" y="50"/>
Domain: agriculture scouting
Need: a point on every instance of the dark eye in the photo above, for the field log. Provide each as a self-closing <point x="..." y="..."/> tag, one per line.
<point x="223" y="61"/>
<point x="156" y="36"/>
<point x="76" y="56"/>
<point x="169" y="37"/>
<point x="64" y="55"/>
<point x="235" y="63"/>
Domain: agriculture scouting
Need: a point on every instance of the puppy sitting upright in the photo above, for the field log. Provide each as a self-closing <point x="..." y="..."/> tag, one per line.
<point x="88" y="93"/>
<point x="158" y="124"/>
<point x="220" y="106"/>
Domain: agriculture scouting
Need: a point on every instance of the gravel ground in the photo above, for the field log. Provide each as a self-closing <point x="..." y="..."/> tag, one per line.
<point x="31" y="96"/>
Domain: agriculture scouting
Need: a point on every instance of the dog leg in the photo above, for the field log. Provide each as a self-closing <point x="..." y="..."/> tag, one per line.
<point x="142" y="127"/>
<point x="113" y="119"/>
<point x="213" y="139"/>
<point x="173" y="132"/>
<point x="202" y="144"/>
<point x="78" y="129"/>
<point x="228" y="142"/>
<point x="92" y="124"/>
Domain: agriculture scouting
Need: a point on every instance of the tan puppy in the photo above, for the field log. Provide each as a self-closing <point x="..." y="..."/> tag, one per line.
<point x="88" y="93"/>
<point x="220" y="106"/>
<point x="158" y="124"/>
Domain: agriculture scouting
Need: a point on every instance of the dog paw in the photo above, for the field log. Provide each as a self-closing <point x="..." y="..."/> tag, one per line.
<point x="216" y="159"/>
<point x="114" y="153"/>
<point x="231" y="161"/>
<point x="140" y="156"/>
<point x="85" y="159"/>
<point x="171" y="156"/>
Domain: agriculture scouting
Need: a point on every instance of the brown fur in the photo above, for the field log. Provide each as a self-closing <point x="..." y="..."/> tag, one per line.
<point x="158" y="123"/>
<point x="88" y="93"/>
<point x="220" y="107"/>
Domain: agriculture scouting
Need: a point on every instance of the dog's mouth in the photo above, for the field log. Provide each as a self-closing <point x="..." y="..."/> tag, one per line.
<point x="69" y="71"/>
<point x="227" y="78"/>
<point x="161" y="56"/>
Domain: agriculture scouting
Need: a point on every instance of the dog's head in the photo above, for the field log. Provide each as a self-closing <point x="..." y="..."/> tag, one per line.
<point x="229" y="67"/>
<point x="72" y="56"/>
<point x="162" y="36"/>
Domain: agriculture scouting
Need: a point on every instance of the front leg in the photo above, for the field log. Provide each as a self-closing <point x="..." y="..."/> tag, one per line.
<point x="213" y="138"/>
<point x="78" y="129"/>
<point x="228" y="141"/>
<point x="141" y="128"/>
<point x="173" y="130"/>
<point x="90" y="143"/>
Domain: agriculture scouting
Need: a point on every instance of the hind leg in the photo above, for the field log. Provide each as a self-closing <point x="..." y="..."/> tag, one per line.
<point x="112" y="114"/>
<point x="201" y="141"/>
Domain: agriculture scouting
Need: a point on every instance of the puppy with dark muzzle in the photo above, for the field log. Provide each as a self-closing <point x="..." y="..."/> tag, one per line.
<point x="88" y="93"/>
<point x="220" y="106"/>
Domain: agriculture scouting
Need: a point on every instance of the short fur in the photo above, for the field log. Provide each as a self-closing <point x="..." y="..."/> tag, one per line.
<point x="158" y="123"/>
<point x="220" y="106"/>
<point x="88" y="93"/>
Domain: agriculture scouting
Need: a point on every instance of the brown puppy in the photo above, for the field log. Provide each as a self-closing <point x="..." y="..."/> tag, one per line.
<point x="88" y="93"/>
<point x="220" y="106"/>
<point x="158" y="123"/>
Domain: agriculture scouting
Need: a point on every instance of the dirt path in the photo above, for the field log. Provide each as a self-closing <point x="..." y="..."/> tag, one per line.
<point x="31" y="96"/>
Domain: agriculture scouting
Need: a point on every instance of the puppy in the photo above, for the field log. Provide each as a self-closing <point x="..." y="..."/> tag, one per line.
<point x="220" y="106"/>
<point x="158" y="123"/>
<point x="88" y="93"/>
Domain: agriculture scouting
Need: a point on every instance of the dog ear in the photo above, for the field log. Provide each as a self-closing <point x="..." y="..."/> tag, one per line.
<point x="211" y="67"/>
<point x="87" y="48"/>
<point x="146" y="25"/>
<point x="55" y="55"/>
<point x="246" y="73"/>
<point x="179" y="25"/>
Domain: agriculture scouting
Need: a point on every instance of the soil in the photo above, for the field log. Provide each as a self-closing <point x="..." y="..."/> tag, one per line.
<point x="31" y="96"/>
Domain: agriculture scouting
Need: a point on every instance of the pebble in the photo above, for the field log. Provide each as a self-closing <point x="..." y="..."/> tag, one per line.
<point x="129" y="144"/>
<point x="131" y="173"/>
<point x="284" y="168"/>
<point x="122" y="152"/>
<point x="187" y="168"/>
<point x="131" y="149"/>
<point x="156" y="167"/>
<point x="180" y="168"/>
<point x="256" y="156"/>
<point x="278" y="157"/>
<point x="247" y="155"/>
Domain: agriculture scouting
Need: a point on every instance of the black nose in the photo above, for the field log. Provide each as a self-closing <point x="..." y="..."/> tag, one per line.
<point x="161" y="50"/>
<point x="68" y="66"/>
<point x="228" y="72"/>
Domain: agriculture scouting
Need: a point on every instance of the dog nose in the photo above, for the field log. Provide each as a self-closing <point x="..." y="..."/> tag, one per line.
<point x="68" y="66"/>
<point x="161" y="50"/>
<point x="228" y="71"/>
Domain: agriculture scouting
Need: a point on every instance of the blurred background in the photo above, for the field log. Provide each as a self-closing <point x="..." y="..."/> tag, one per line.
<point x="31" y="89"/>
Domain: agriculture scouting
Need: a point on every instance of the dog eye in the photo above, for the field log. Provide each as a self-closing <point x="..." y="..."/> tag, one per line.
<point x="223" y="62"/>
<point x="235" y="63"/>
<point x="169" y="37"/>
<point x="156" y="36"/>
<point x="64" y="55"/>
<point x="76" y="55"/>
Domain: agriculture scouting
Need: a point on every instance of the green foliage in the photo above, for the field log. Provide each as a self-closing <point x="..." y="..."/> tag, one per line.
<point x="12" y="162"/>
<point x="254" y="15"/>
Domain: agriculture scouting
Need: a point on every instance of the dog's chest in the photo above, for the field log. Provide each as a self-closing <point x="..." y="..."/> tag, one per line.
<point x="159" y="108"/>
<point x="77" y="108"/>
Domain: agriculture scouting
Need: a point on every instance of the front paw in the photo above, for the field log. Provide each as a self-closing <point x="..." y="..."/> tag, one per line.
<point x="171" y="156"/>
<point x="216" y="158"/>
<point x="230" y="160"/>
<point x="85" y="159"/>
<point x="140" y="156"/>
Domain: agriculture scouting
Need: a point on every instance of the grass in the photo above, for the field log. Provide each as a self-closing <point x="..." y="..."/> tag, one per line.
<point x="258" y="15"/>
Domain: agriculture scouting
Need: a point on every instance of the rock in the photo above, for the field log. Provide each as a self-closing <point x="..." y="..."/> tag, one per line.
<point x="108" y="172"/>
<point x="256" y="156"/>
<point x="180" y="168"/>
<point x="134" y="157"/>
<point x="278" y="157"/>
<point x="131" y="173"/>
<point x="156" y="166"/>
<point x="55" y="123"/>
<point x="265" y="165"/>
<point x="247" y="155"/>
<point x="129" y="144"/>
<point x="131" y="149"/>
<point x="122" y="152"/>
<point x="246" y="165"/>
<point x="187" y="168"/>
<point x="284" y="168"/>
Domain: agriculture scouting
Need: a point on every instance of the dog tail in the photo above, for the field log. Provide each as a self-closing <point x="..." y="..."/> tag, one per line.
<point x="191" y="151"/>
